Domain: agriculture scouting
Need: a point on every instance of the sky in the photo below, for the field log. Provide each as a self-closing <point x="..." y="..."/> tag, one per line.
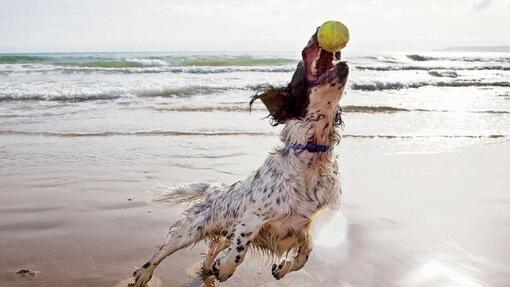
<point x="236" y="25"/>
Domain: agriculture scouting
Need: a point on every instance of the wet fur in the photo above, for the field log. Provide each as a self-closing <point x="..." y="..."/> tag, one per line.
<point x="272" y="208"/>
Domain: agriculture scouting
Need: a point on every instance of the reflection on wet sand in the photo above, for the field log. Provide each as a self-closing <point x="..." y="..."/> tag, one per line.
<point x="436" y="273"/>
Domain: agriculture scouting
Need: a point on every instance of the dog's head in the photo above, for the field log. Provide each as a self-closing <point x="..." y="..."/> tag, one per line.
<point x="318" y="81"/>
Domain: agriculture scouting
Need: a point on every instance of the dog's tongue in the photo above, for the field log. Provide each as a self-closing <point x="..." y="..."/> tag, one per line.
<point x="324" y="63"/>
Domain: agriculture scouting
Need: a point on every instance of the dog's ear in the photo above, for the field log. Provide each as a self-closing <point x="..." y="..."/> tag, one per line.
<point x="276" y="101"/>
<point x="298" y="92"/>
<point x="285" y="103"/>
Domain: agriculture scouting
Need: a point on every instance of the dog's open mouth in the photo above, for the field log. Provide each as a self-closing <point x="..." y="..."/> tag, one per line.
<point x="320" y="64"/>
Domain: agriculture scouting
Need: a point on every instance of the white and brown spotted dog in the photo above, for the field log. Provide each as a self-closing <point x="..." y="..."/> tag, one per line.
<point x="271" y="209"/>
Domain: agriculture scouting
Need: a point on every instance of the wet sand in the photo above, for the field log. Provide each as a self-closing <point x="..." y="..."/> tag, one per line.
<point x="433" y="219"/>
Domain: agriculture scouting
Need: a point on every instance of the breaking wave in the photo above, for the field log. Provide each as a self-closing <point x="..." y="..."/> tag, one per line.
<point x="236" y="61"/>
<point x="83" y="96"/>
<point x="128" y="61"/>
<point x="77" y="95"/>
<point x="381" y="86"/>
<point x="132" y="68"/>
<point x="422" y="58"/>
<point x="430" y="68"/>
<point x="187" y="91"/>
<point x="418" y="58"/>
<point x="444" y="74"/>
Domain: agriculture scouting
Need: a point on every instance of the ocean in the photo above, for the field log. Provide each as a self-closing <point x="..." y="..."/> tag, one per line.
<point x="396" y="102"/>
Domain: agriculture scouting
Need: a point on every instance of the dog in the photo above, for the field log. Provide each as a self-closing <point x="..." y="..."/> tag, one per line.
<point x="271" y="210"/>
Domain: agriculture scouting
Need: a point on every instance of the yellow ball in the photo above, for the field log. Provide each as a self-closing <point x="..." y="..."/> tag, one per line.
<point x="332" y="36"/>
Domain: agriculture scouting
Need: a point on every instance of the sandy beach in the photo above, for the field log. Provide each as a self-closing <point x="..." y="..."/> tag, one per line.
<point x="429" y="219"/>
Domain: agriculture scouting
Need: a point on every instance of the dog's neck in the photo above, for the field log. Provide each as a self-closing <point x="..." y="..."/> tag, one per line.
<point x="314" y="128"/>
<point x="311" y="129"/>
<point x="318" y="124"/>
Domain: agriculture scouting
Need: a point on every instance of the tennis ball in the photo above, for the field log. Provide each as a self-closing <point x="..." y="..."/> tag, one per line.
<point x="332" y="36"/>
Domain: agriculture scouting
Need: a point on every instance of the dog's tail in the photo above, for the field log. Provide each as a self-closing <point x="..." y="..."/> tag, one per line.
<point x="185" y="193"/>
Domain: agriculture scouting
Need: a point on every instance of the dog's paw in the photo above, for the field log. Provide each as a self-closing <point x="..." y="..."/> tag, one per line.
<point x="282" y="269"/>
<point x="222" y="271"/>
<point x="205" y="272"/>
<point x="142" y="276"/>
<point x="208" y="282"/>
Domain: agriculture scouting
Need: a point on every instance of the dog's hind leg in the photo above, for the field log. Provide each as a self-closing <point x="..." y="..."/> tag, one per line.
<point x="297" y="262"/>
<point x="184" y="233"/>
<point x="246" y="229"/>
<point x="215" y="247"/>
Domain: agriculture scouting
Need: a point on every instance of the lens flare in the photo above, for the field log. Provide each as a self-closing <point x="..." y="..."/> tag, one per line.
<point x="329" y="228"/>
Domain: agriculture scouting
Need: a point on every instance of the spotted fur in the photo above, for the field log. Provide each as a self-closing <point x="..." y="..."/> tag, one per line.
<point x="271" y="209"/>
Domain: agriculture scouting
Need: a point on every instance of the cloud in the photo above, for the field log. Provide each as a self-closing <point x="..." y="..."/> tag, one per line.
<point x="480" y="5"/>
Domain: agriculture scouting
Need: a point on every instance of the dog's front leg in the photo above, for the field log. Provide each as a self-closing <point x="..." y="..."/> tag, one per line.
<point x="246" y="229"/>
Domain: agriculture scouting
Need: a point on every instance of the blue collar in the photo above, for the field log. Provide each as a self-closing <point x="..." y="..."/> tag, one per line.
<point x="310" y="147"/>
